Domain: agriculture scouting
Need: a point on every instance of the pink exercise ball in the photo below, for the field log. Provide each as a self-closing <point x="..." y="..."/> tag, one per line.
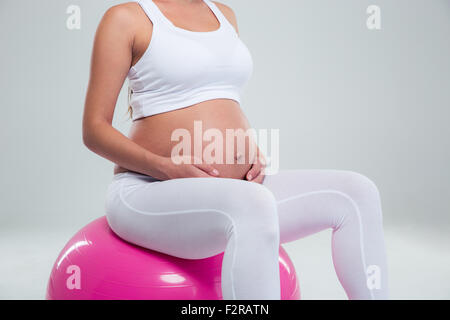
<point x="98" y="265"/>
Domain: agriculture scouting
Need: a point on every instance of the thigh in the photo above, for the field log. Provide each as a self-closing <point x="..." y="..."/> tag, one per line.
<point x="312" y="200"/>
<point x="189" y="218"/>
<point x="289" y="183"/>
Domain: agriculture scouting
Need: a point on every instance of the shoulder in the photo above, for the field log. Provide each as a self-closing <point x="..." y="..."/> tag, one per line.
<point x="122" y="15"/>
<point x="122" y="19"/>
<point x="227" y="12"/>
<point x="122" y="12"/>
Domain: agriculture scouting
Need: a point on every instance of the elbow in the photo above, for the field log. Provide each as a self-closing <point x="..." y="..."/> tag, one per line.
<point x="93" y="131"/>
<point x="88" y="139"/>
<point x="90" y="136"/>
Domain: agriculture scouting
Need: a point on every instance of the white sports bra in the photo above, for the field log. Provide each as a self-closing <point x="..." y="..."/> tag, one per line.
<point x="181" y="68"/>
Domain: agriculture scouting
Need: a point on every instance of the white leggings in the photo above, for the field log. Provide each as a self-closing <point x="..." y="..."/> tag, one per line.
<point x="194" y="218"/>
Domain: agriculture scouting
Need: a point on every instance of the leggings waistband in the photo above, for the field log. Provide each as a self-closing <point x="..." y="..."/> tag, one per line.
<point x="136" y="175"/>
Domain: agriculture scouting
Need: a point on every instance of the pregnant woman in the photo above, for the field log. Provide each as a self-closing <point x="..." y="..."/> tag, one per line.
<point x="186" y="63"/>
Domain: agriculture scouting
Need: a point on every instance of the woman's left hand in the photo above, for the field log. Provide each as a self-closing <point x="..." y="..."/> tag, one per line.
<point x="256" y="172"/>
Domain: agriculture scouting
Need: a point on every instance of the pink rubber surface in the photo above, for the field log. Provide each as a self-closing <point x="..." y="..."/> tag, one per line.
<point x="111" y="268"/>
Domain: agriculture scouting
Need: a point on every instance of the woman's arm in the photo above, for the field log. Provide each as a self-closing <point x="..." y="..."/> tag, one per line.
<point x="111" y="60"/>
<point x="110" y="63"/>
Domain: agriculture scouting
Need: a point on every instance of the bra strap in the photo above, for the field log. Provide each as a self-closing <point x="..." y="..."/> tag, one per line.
<point x="151" y="10"/>
<point x="218" y="13"/>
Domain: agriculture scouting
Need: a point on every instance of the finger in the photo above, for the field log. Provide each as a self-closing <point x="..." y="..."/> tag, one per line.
<point x="253" y="172"/>
<point x="209" y="169"/>
<point x="259" y="179"/>
<point x="260" y="175"/>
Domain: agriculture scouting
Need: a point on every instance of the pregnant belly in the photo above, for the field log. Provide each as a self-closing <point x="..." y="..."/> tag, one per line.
<point x="215" y="130"/>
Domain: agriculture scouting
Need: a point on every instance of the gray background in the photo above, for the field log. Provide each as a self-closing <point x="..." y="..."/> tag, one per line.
<point x="343" y="97"/>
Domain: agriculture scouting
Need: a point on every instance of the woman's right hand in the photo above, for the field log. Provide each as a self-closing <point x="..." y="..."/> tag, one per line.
<point x="186" y="167"/>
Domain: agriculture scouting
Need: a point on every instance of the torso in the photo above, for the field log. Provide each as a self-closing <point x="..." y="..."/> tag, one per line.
<point x="154" y="132"/>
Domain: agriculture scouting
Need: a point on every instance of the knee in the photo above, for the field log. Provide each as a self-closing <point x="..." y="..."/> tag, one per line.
<point x="359" y="186"/>
<point x="258" y="212"/>
<point x="259" y="196"/>
<point x="364" y="196"/>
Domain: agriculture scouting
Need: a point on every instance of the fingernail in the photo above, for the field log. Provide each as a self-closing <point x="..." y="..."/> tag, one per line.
<point x="215" y="172"/>
<point x="249" y="177"/>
